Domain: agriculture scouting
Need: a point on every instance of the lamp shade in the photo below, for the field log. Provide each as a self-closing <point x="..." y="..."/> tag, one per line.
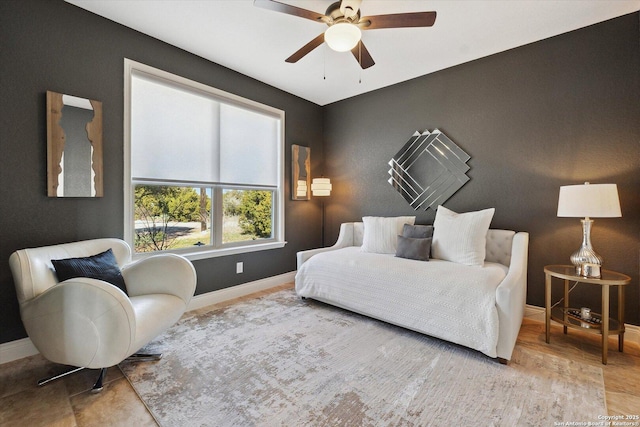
<point x="589" y="200"/>
<point x="342" y="36"/>
<point x="321" y="187"/>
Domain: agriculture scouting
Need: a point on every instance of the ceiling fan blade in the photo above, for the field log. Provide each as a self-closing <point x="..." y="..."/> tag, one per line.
<point x="362" y="56"/>
<point x="306" y="49"/>
<point x="290" y="10"/>
<point x="398" y="20"/>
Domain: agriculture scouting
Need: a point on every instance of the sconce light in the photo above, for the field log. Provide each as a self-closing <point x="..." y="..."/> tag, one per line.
<point x="301" y="190"/>
<point x="588" y="200"/>
<point x="321" y="187"/>
<point x="342" y="36"/>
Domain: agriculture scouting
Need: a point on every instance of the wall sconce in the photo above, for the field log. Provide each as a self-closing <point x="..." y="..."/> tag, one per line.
<point x="321" y="187"/>
<point x="301" y="189"/>
<point x="588" y="200"/>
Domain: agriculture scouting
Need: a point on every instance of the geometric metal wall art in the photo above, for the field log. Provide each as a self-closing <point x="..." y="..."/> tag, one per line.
<point x="428" y="170"/>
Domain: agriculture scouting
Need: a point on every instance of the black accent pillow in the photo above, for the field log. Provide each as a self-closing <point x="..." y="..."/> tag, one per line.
<point x="102" y="266"/>
<point x="411" y="248"/>
<point x="417" y="231"/>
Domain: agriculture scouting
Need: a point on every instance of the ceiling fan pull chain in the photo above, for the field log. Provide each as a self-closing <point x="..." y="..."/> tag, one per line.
<point x="360" y="61"/>
<point x="324" y="63"/>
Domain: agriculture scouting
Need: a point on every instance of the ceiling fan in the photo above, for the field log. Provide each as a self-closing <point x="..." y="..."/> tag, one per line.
<point x="345" y="25"/>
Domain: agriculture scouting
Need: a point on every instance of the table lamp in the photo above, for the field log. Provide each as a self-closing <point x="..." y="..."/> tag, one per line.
<point x="588" y="200"/>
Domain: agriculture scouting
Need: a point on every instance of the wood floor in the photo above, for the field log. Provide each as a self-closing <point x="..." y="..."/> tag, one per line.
<point x="68" y="402"/>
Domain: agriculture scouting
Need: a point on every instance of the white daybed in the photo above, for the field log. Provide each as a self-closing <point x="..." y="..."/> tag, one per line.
<point x="480" y="307"/>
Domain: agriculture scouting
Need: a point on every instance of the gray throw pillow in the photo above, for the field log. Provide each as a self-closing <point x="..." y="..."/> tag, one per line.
<point x="417" y="231"/>
<point x="412" y="248"/>
<point x="102" y="266"/>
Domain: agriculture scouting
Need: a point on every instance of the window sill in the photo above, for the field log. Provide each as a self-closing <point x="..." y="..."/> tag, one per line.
<point x="213" y="253"/>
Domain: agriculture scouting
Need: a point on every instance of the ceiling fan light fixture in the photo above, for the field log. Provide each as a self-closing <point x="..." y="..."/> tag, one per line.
<point x="342" y="36"/>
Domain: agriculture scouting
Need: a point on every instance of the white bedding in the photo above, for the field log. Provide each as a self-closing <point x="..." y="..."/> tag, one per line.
<point x="438" y="298"/>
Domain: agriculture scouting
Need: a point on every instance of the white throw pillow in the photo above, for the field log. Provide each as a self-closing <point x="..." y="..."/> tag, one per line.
<point x="461" y="238"/>
<point x="381" y="233"/>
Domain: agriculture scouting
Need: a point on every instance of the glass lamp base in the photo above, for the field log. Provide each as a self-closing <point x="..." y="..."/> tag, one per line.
<point x="585" y="259"/>
<point x="590" y="271"/>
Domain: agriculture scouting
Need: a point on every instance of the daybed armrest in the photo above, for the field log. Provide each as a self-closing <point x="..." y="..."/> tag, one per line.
<point x="161" y="274"/>
<point x="75" y="320"/>
<point x="511" y="296"/>
<point x="345" y="238"/>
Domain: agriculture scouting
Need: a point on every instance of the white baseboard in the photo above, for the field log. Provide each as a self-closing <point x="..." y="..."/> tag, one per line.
<point x="18" y="349"/>
<point x="534" y="312"/>
<point x="215" y="297"/>
<point x="22" y="348"/>
<point x="631" y="333"/>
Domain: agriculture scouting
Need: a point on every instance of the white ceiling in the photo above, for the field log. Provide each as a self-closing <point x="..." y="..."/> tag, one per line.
<point x="256" y="41"/>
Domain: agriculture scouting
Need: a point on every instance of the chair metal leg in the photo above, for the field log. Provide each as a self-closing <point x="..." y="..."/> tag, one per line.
<point x="97" y="387"/>
<point x="55" y="377"/>
<point x="144" y="357"/>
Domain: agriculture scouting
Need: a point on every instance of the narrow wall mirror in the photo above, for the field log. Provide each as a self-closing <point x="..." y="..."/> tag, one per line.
<point x="300" y="172"/>
<point x="74" y="146"/>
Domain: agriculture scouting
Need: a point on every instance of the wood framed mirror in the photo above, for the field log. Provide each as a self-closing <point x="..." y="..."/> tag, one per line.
<point x="74" y="146"/>
<point x="300" y="172"/>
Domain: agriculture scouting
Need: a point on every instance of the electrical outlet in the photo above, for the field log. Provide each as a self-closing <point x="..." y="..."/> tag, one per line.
<point x="239" y="267"/>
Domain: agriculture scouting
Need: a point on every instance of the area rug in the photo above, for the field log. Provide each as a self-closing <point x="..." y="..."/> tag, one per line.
<point x="283" y="361"/>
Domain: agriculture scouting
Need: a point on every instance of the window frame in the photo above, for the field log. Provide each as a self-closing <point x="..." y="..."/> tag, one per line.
<point x="202" y="252"/>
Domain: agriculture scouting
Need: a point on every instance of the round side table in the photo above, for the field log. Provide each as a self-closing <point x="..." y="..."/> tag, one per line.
<point x="570" y="317"/>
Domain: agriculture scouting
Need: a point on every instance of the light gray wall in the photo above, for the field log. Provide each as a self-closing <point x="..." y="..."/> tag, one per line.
<point x="560" y="111"/>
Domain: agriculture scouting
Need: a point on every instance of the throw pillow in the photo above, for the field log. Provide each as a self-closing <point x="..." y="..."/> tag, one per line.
<point x="417" y="231"/>
<point x="102" y="266"/>
<point x="381" y="233"/>
<point x="461" y="238"/>
<point x="414" y="248"/>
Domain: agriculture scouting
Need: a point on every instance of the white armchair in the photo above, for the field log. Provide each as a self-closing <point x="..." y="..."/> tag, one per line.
<point x="89" y="323"/>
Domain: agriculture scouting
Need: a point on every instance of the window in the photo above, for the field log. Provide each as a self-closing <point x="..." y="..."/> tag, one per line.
<point x="203" y="168"/>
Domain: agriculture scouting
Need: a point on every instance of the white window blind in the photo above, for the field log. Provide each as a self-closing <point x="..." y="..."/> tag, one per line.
<point x="173" y="132"/>
<point x="180" y="134"/>
<point x="248" y="147"/>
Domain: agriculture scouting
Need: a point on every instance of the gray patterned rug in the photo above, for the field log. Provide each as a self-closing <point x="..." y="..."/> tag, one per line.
<point x="282" y="361"/>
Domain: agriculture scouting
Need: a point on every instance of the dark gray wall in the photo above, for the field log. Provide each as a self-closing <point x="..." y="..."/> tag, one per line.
<point x="52" y="45"/>
<point x="560" y="111"/>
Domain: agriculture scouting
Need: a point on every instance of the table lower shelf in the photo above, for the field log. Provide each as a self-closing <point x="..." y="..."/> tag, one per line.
<point x="567" y="318"/>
